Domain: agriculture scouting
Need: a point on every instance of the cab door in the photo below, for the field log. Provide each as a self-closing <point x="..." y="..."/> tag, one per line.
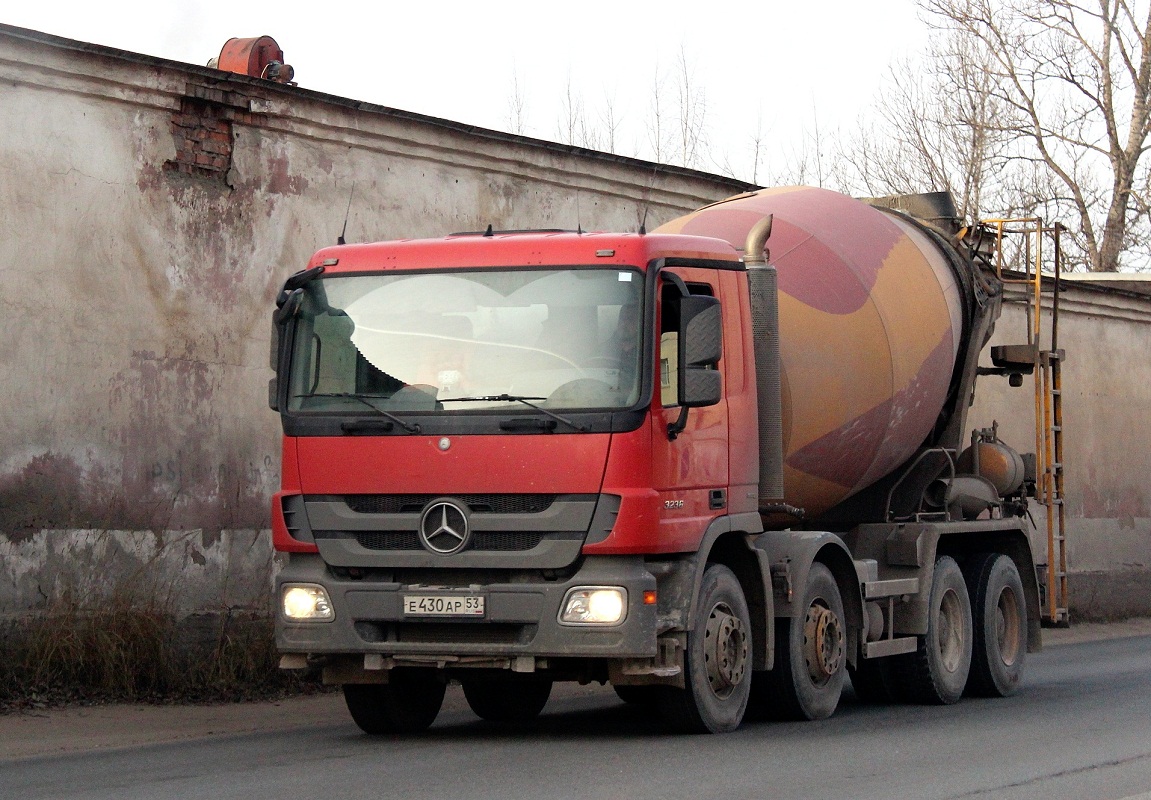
<point x="689" y="445"/>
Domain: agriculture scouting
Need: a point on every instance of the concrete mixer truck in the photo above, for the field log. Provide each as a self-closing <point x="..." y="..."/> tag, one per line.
<point x="723" y="481"/>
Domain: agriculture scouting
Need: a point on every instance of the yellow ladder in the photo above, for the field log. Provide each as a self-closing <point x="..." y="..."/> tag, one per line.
<point x="1048" y="363"/>
<point x="1051" y="362"/>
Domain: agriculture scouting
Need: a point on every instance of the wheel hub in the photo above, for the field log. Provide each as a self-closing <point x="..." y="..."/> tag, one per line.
<point x="949" y="623"/>
<point x="1008" y="627"/>
<point x="822" y="643"/>
<point x="725" y="650"/>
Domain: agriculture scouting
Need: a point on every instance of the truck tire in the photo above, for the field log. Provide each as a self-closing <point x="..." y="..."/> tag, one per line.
<point x="936" y="673"/>
<point x="810" y="655"/>
<point x="408" y="703"/>
<point x="717" y="664"/>
<point x="507" y="700"/>
<point x="998" y="610"/>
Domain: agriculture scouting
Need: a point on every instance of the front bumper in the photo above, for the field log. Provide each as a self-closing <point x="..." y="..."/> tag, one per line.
<point x="521" y="617"/>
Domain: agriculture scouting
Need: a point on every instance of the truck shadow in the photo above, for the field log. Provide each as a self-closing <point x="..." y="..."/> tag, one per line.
<point x="607" y="717"/>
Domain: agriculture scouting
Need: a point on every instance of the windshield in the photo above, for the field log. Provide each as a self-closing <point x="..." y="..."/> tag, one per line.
<point x="561" y="339"/>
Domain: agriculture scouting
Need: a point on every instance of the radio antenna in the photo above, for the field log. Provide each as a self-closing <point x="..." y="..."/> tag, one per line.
<point x="340" y="238"/>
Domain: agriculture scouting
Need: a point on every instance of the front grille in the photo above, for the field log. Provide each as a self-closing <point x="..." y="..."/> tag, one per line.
<point x="500" y="541"/>
<point x="457" y="633"/>
<point x="506" y="540"/>
<point x="445" y="632"/>
<point x="477" y="503"/>
<point x="389" y="540"/>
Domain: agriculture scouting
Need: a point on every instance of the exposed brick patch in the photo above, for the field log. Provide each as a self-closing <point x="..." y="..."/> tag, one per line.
<point x="203" y="140"/>
<point x="202" y="129"/>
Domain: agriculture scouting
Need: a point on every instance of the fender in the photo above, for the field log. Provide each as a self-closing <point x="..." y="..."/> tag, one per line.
<point x="728" y="540"/>
<point x="790" y="555"/>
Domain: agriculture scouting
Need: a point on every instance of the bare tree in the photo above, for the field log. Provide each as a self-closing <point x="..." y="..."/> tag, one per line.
<point x="590" y="136"/>
<point x="675" y="125"/>
<point x="610" y="120"/>
<point x="691" y="130"/>
<point x="574" y="125"/>
<point x="656" y="125"/>
<point x="757" y="145"/>
<point x="939" y="128"/>
<point x="755" y="153"/>
<point x="1073" y="78"/>
<point x="817" y="144"/>
<point x="517" y="106"/>
<point x="570" y="123"/>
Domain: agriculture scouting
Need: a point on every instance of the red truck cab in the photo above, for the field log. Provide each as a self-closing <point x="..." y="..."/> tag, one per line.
<point x="500" y="452"/>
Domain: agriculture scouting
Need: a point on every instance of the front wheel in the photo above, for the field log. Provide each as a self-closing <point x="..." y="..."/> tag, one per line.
<point x="717" y="664"/>
<point x="1000" y="622"/>
<point x="508" y="701"/>
<point x="408" y="703"/>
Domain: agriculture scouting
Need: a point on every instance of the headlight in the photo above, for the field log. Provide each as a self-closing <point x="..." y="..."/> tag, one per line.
<point x="594" y="605"/>
<point x="306" y="601"/>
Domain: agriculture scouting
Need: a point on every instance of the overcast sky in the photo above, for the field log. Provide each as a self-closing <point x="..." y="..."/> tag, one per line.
<point x="788" y="67"/>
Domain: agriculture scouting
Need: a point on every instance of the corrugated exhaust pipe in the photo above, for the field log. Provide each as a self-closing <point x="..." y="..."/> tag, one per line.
<point x="764" y="294"/>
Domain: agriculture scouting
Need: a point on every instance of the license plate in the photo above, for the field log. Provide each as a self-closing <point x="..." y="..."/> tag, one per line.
<point x="442" y="605"/>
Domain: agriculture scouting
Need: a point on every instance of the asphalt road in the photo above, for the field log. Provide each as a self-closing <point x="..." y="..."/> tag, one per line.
<point x="1080" y="728"/>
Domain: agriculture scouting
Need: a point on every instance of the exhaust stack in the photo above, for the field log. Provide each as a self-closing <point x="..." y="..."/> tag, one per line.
<point x="762" y="283"/>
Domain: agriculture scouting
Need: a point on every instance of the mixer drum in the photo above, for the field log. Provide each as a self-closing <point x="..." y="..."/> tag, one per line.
<point x="871" y="318"/>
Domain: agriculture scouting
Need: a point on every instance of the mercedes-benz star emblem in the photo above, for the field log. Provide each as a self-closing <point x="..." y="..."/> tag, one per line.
<point x="444" y="528"/>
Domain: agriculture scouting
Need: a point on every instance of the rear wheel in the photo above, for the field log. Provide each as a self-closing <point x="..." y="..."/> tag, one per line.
<point x="810" y="655"/>
<point x="1000" y="624"/>
<point x="408" y="703"/>
<point x="937" y="671"/>
<point x="717" y="664"/>
<point x="504" y="700"/>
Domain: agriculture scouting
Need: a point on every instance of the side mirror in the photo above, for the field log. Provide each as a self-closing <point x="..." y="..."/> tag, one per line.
<point x="274" y="363"/>
<point x="287" y="305"/>
<point x="700" y="348"/>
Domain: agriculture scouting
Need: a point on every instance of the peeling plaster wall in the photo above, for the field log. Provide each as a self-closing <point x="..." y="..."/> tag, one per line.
<point x="1107" y="441"/>
<point x="150" y="211"/>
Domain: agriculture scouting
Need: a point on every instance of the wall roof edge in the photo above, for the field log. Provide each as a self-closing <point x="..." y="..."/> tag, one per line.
<point x="39" y="38"/>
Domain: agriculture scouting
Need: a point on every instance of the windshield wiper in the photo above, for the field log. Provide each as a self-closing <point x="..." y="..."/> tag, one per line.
<point x="410" y="427"/>
<point x="516" y="398"/>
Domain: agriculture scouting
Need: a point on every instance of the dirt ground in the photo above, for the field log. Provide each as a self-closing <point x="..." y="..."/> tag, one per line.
<point x="86" y="728"/>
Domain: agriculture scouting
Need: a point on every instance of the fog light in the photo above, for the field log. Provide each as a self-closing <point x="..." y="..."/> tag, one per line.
<point x="306" y="601"/>
<point x="594" y="605"/>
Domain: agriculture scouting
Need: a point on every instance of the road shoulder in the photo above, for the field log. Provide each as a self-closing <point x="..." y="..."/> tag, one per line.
<point x="78" y="729"/>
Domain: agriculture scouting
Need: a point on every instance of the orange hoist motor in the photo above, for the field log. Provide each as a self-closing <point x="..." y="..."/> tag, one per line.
<point x="259" y="57"/>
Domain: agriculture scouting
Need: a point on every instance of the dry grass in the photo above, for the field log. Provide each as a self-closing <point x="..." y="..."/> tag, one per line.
<point x="129" y="646"/>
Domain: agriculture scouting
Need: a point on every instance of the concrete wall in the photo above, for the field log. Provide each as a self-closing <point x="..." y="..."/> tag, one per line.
<point x="150" y="211"/>
<point x="1107" y="439"/>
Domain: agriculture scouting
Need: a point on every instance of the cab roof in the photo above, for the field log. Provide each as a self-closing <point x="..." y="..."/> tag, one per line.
<point x="523" y="249"/>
